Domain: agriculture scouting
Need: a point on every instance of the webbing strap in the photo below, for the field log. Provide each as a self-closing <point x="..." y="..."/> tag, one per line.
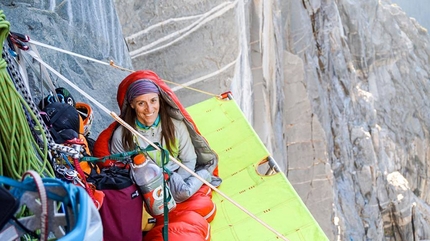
<point x="84" y="180"/>
<point x="165" y="158"/>
<point x="117" y="157"/>
<point x="43" y="202"/>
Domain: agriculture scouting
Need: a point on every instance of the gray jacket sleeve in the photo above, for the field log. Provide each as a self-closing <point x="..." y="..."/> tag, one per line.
<point x="116" y="141"/>
<point x="186" y="152"/>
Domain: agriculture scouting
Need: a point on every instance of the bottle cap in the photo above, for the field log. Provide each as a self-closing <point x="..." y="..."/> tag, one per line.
<point x="139" y="159"/>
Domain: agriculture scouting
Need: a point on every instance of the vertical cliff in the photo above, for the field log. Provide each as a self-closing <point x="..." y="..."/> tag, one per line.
<point x="338" y="90"/>
<point x="90" y="29"/>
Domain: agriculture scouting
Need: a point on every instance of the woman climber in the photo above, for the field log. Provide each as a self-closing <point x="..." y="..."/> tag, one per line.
<point x="149" y="106"/>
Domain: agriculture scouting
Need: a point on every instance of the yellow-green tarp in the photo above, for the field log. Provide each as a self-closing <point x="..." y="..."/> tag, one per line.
<point x="270" y="198"/>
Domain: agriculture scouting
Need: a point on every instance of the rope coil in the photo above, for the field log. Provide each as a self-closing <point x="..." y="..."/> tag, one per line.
<point x="18" y="152"/>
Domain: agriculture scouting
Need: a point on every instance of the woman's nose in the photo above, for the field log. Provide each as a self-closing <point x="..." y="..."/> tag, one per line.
<point x="149" y="107"/>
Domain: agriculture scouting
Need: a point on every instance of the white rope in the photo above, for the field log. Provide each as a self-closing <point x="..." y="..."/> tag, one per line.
<point x="44" y="73"/>
<point x="215" y="12"/>
<point x="179" y="86"/>
<point x="67" y="52"/>
<point x="202" y="78"/>
<point x="160" y="24"/>
<point x="38" y="59"/>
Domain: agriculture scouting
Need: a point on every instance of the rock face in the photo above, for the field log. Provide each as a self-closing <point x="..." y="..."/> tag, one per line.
<point x="192" y="42"/>
<point x="337" y="90"/>
<point x="418" y="10"/>
<point x="92" y="30"/>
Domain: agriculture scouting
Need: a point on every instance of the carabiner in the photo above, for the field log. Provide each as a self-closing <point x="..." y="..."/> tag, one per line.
<point x="21" y="37"/>
<point x="19" y="43"/>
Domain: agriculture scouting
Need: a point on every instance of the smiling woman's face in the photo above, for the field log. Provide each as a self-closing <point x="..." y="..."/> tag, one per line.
<point x="146" y="107"/>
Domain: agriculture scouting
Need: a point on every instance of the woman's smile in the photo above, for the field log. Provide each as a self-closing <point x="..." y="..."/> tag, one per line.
<point x="147" y="107"/>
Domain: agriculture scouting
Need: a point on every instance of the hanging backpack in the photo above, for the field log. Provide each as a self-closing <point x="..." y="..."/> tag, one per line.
<point x="63" y="121"/>
<point x="70" y="123"/>
<point x="122" y="208"/>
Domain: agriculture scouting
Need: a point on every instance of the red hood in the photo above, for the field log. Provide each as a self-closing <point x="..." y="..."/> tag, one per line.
<point x="149" y="75"/>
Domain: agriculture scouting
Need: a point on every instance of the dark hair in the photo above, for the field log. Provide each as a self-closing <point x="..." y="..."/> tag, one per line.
<point x="167" y="127"/>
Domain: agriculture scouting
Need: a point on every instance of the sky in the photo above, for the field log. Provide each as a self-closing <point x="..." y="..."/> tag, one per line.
<point x="418" y="9"/>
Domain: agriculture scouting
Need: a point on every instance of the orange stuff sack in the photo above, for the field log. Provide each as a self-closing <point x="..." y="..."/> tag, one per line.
<point x="183" y="225"/>
<point x="189" y="220"/>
